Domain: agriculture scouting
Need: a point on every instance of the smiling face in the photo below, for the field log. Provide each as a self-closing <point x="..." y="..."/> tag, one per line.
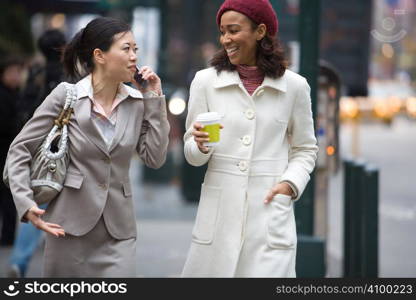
<point x="119" y="62"/>
<point x="239" y="38"/>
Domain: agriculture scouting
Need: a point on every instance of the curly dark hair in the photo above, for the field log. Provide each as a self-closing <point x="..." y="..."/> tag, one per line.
<point x="270" y="57"/>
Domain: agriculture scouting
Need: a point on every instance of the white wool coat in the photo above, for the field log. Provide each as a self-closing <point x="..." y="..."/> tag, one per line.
<point x="268" y="137"/>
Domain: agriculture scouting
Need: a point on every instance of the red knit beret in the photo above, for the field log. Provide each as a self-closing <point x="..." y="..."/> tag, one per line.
<point x="259" y="11"/>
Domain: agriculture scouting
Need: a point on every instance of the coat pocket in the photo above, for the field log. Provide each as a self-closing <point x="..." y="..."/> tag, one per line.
<point x="73" y="180"/>
<point x="281" y="226"/>
<point x="206" y="218"/>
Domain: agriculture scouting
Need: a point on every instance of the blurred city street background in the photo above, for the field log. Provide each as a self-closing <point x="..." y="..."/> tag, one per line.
<point x="365" y="109"/>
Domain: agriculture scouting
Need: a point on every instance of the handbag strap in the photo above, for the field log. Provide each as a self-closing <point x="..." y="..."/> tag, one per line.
<point x="65" y="114"/>
<point x="61" y="123"/>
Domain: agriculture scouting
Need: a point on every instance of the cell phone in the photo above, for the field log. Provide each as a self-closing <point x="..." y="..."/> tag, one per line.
<point x="139" y="78"/>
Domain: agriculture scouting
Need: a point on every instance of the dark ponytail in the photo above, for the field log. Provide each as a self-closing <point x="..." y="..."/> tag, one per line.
<point x="98" y="34"/>
<point x="70" y="56"/>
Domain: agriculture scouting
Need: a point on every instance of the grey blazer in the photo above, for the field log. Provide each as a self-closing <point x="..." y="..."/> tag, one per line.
<point x="97" y="182"/>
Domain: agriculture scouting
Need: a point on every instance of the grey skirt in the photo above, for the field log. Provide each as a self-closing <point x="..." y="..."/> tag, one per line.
<point x="95" y="254"/>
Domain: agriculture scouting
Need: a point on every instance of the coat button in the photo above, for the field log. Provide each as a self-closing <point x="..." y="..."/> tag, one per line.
<point x="260" y="92"/>
<point x="250" y="114"/>
<point x="246" y="140"/>
<point x="106" y="160"/>
<point x="243" y="165"/>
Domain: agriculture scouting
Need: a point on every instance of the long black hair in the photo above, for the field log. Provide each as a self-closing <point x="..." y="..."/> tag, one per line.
<point x="98" y="34"/>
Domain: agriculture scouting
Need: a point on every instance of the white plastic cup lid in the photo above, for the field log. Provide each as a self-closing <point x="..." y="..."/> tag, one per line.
<point x="208" y="117"/>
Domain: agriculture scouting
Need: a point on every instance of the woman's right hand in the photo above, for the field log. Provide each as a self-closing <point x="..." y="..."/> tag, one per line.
<point x="34" y="214"/>
<point x="201" y="137"/>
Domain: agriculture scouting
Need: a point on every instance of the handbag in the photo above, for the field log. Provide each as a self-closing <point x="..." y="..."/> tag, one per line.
<point x="50" y="162"/>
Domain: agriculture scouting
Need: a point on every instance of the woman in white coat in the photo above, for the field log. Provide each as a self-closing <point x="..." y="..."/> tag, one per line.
<point x="245" y="225"/>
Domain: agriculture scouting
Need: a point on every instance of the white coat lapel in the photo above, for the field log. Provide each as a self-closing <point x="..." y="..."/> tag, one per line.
<point x="226" y="78"/>
<point x="276" y="83"/>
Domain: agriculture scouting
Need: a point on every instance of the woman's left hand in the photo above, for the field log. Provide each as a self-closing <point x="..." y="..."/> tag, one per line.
<point x="154" y="83"/>
<point x="280" y="188"/>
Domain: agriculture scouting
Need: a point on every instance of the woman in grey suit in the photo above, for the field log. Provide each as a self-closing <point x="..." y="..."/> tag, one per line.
<point x="91" y="224"/>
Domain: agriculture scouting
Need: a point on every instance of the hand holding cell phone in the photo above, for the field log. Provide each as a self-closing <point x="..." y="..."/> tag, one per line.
<point x="147" y="80"/>
<point x="139" y="79"/>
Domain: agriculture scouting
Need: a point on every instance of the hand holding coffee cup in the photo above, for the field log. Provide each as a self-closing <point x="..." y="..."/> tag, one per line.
<point x="207" y="130"/>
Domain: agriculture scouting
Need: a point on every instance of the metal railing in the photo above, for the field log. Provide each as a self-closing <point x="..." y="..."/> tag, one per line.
<point x="360" y="219"/>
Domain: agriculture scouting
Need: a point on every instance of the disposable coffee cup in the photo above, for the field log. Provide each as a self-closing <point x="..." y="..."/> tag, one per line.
<point x="211" y="123"/>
